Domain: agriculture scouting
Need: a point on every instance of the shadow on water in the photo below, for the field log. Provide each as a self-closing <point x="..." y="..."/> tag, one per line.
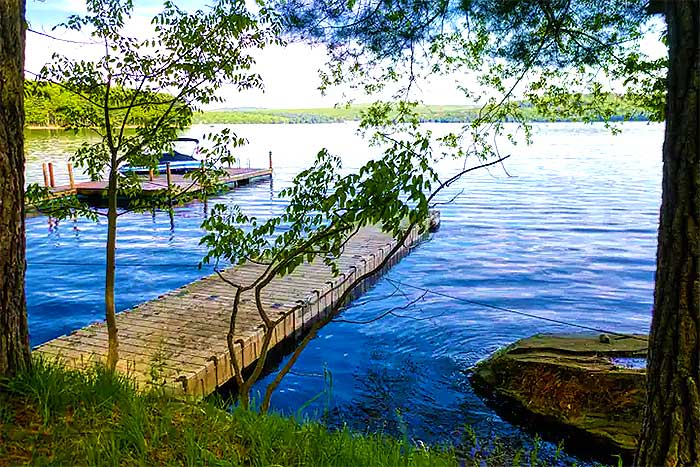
<point x="279" y="354"/>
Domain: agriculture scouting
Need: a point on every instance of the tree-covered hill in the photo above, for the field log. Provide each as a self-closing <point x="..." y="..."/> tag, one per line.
<point x="617" y="108"/>
<point x="48" y="105"/>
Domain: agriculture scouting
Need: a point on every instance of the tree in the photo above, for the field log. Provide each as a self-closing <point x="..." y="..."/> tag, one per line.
<point x="14" y="335"/>
<point x="671" y="430"/>
<point x="557" y="51"/>
<point x="154" y="83"/>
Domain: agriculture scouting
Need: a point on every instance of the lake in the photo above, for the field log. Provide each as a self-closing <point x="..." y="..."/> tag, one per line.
<point x="566" y="229"/>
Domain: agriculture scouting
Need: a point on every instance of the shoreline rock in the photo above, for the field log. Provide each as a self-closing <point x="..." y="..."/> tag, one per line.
<point x="575" y="385"/>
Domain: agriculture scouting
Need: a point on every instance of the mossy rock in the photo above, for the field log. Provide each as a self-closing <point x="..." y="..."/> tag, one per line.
<point x="571" y="383"/>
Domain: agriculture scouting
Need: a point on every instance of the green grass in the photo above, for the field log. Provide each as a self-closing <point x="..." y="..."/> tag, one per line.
<point x="54" y="416"/>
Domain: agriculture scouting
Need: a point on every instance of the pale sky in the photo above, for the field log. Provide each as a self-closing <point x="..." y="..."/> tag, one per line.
<point x="290" y="73"/>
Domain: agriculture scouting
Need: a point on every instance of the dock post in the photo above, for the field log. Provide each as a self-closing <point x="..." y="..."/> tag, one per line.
<point x="46" y="174"/>
<point x="51" y="179"/>
<point x="150" y="175"/>
<point x="70" y="176"/>
<point x="270" y="157"/>
<point x="168" y="175"/>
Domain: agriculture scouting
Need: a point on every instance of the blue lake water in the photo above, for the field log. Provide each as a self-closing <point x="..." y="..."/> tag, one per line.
<point x="565" y="230"/>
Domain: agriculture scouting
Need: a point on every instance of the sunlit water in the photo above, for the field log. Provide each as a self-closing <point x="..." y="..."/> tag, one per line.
<point x="567" y="233"/>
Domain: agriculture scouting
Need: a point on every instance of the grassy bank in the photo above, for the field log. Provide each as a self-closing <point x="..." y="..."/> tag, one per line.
<point x="60" y="417"/>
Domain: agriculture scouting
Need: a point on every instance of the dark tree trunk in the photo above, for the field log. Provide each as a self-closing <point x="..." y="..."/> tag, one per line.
<point x="671" y="430"/>
<point x="14" y="336"/>
<point x="110" y="308"/>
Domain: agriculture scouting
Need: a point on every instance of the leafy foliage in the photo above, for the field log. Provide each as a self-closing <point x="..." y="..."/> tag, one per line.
<point x="143" y="91"/>
<point x="569" y="55"/>
<point x="325" y="207"/>
<point x="153" y="82"/>
<point x="560" y="32"/>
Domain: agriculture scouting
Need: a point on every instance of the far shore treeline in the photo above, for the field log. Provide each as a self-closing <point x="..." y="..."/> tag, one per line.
<point x="50" y="106"/>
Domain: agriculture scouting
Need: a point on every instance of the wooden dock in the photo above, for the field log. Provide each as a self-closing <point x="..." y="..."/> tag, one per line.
<point x="182" y="334"/>
<point x="159" y="183"/>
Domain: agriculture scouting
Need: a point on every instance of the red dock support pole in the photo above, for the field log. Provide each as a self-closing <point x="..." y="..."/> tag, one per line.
<point x="51" y="179"/>
<point x="46" y="174"/>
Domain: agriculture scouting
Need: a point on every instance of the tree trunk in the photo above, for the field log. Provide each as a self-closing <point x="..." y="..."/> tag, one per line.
<point x="14" y="335"/>
<point x="671" y="429"/>
<point x="110" y="310"/>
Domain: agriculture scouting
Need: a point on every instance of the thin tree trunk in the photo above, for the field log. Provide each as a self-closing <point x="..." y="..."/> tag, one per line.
<point x="671" y="429"/>
<point x="14" y="335"/>
<point x="110" y="310"/>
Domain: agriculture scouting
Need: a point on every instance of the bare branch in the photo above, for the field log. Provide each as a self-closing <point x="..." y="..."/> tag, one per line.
<point x="39" y="33"/>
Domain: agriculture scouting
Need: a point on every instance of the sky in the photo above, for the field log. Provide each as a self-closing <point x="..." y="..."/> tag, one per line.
<point x="290" y="73"/>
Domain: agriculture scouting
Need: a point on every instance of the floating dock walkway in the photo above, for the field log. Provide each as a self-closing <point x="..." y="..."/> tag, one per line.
<point x="182" y="334"/>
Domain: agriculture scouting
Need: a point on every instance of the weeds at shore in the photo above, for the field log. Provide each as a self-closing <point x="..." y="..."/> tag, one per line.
<point x="51" y="415"/>
<point x="56" y="416"/>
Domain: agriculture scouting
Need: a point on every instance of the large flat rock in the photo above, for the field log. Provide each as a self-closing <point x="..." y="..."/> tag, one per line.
<point x="580" y="383"/>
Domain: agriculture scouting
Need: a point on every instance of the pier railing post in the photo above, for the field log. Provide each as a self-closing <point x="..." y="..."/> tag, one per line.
<point x="169" y="178"/>
<point x="150" y="175"/>
<point x="71" y="181"/>
<point x="51" y="179"/>
<point x="270" y="157"/>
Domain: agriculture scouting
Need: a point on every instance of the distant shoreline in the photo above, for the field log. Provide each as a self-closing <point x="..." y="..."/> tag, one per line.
<point x="262" y="118"/>
<point x="427" y="114"/>
<point x="57" y="109"/>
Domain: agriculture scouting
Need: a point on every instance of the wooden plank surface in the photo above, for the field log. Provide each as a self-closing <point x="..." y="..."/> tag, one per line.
<point x="183" y="333"/>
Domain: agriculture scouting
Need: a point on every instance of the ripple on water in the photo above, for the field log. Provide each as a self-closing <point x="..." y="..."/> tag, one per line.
<point x="569" y="235"/>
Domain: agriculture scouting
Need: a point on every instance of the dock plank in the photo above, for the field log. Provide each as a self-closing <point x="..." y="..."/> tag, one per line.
<point x="185" y="329"/>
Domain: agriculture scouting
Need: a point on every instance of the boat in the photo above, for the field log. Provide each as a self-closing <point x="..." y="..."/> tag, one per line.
<point x="179" y="162"/>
